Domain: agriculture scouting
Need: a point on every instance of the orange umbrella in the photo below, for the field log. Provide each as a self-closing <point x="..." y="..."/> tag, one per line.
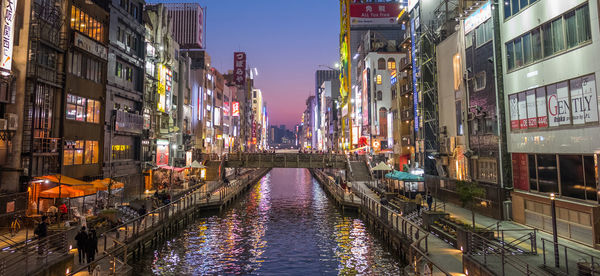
<point x="65" y="191"/>
<point x="102" y="184"/>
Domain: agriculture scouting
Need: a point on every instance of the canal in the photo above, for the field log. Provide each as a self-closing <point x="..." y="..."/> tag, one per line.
<point x="284" y="225"/>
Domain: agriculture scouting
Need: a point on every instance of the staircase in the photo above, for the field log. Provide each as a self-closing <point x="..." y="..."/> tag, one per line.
<point x="360" y="171"/>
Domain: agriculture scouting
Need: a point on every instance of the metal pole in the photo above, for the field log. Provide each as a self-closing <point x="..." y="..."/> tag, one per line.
<point x="554" y="233"/>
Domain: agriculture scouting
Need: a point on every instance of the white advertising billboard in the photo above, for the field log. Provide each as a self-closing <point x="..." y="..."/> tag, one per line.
<point x="9" y="8"/>
<point x="531" y="109"/>
<point x="588" y="85"/>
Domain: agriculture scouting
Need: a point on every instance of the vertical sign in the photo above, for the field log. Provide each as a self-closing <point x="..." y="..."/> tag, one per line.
<point x="162" y="152"/>
<point x="8" y="23"/>
<point x="588" y="84"/>
<point x="239" y="68"/>
<point x="235" y="109"/>
<point x="514" y="111"/>
<point x="520" y="171"/>
<point x="522" y="110"/>
<point x="365" y="97"/>
<point x="531" y="109"/>
<point x="542" y="110"/>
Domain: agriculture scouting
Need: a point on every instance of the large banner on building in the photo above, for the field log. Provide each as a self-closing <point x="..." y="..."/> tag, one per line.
<point x="9" y="8"/>
<point x="239" y="68"/>
<point x="162" y="152"/>
<point x="374" y="13"/>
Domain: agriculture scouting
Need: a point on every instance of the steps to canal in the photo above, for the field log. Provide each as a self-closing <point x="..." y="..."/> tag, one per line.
<point x="343" y="198"/>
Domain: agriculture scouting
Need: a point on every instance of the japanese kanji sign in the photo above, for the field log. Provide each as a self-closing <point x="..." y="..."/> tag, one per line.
<point x="374" y="13"/>
<point x="7" y="24"/>
<point x="239" y="68"/>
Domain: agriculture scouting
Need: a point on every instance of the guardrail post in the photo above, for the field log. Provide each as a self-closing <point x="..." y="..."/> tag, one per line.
<point x="567" y="261"/>
<point x="544" y="250"/>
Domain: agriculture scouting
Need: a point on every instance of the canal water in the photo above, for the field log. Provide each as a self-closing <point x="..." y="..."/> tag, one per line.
<point x="285" y="225"/>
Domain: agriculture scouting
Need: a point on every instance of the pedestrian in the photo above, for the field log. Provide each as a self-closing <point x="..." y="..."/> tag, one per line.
<point x="63" y="211"/>
<point x="91" y="246"/>
<point x="429" y="200"/>
<point x="81" y="239"/>
<point x="418" y="200"/>
<point x="41" y="231"/>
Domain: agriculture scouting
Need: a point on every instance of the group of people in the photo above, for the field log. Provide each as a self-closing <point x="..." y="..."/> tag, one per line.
<point x="87" y="245"/>
<point x="419" y="201"/>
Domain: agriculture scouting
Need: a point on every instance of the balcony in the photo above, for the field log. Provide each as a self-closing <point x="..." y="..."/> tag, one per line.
<point x="406" y="114"/>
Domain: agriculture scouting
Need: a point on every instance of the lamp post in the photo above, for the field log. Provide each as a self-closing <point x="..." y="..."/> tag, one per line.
<point x="554" y="233"/>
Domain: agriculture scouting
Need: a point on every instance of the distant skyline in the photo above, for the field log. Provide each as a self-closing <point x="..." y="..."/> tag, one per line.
<point x="285" y="40"/>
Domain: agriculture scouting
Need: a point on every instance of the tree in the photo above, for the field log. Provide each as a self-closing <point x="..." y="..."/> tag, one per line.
<point x="468" y="192"/>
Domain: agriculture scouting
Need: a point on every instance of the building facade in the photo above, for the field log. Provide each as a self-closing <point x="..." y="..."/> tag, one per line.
<point x="552" y="127"/>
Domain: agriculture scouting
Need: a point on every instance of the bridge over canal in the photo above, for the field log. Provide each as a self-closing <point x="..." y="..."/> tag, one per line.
<point x="286" y="160"/>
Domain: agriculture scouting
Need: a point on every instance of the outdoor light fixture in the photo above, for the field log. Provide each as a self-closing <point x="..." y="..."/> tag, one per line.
<point x="552" y="196"/>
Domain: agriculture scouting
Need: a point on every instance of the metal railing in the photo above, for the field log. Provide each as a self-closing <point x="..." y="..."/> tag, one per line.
<point x="571" y="261"/>
<point x="33" y="254"/>
<point x="498" y="256"/>
<point x="120" y="235"/>
<point x="337" y="190"/>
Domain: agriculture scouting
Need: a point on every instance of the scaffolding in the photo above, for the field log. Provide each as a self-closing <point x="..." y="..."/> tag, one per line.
<point x="43" y="88"/>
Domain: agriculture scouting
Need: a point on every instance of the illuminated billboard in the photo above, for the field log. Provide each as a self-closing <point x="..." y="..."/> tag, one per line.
<point x="235" y="109"/>
<point x="162" y="152"/>
<point x="163" y="88"/>
<point x="374" y="14"/>
<point x="479" y="16"/>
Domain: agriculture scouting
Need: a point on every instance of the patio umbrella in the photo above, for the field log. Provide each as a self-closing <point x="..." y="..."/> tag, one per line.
<point x="382" y="167"/>
<point x="196" y="165"/>
<point x="102" y="184"/>
<point x="65" y="192"/>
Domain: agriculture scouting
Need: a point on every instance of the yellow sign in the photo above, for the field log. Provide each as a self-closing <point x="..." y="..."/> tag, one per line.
<point x="376" y="145"/>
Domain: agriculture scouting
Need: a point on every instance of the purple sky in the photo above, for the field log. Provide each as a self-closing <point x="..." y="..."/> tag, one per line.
<point x="285" y="40"/>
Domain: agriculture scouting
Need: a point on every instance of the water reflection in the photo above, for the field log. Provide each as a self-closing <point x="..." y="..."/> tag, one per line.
<point x="284" y="225"/>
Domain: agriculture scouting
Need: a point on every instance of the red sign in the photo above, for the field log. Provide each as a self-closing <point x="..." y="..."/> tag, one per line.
<point x="520" y="171"/>
<point x="239" y="68"/>
<point x="162" y="152"/>
<point x="235" y="109"/>
<point x="374" y="13"/>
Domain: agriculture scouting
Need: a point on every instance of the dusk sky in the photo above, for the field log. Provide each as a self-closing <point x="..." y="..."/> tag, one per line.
<point x="285" y="40"/>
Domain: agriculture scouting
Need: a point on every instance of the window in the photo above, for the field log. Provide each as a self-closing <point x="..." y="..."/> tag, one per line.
<point x="527" y="55"/>
<point x="122" y="152"/>
<point x="547" y="173"/>
<point x="484" y="33"/>
<point x="510" y="55"/>
<point x="82" y="109"/>
<point x="378" y="79"/>
<point x="379" y="95"/>
<point x="511" y="7"/>
<point x="391" y="64"/>
<point x="85" y="67"/>
<point x="381" y="64"/>
<point x="91" y="152"/>
<point x="480" y="81"/>
<point x="73" y="152"/>
<point x="533" y="181"/>
<point x="487" y="170"/>
<point x="565" y="32"/>
<point x="469" y="40"/>
<point x="86" y="24"/>
<point x="571" y="176"/>
<point x="518" y="52"/>
<point x="119" y="69"/>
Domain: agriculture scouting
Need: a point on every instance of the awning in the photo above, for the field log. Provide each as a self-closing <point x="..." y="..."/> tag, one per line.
<point x="65" y="192"/>
<point x="382" y="167"/>
<point x="61" y="179"/>
<point x="102" y="184"/>
<point x="196" y="165"/>
<point x="172" y="168"/>
<point x="404" y="176"/>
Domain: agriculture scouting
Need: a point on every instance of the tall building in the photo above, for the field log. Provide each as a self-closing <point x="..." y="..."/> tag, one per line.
<point x="124" y="121"/>
<point x="552" y="128"/>
<point x="82" y="124"/>
<point x="188" y="24"/>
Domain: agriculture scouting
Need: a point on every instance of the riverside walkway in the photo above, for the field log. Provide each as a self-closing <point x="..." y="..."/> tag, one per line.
<point x="58" y="257"/>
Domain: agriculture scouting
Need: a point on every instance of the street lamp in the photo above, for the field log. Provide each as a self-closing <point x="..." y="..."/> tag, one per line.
<point x="554" y="233"/>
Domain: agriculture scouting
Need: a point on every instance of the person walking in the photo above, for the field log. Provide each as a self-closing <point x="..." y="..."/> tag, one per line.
<point x="91" y="246"/>
<point x="429" y="200"/>
<point x="418" y="201"/>
<point x="41" y="231"/>
<point x="81" y="239"/>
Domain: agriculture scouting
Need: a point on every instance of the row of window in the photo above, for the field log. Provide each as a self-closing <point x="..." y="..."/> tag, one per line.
<point x="391" y="64"/>
<point x="122" y="152"/>
<point x="132" y="8"/>
<point x="85" y="67"/>
<point x="83" y="109"/>
<point x="572" y="102"/>
<point x="563" y="33"/>
<point x="128" y="39"/>
<point x="86" y="24"/>
<point x="483" y="34"/>
<point x="79" y="152"/>
<point x="568" y="175"/>
<point x="512" y="7"/>
<point x="124" y="71"/>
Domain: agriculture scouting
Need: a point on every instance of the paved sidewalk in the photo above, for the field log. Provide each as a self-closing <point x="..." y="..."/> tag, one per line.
<point x="440" y="252"/>
<point x="511" y="234"/>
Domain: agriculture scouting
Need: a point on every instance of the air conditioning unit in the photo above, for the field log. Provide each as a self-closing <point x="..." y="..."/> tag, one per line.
<point x="3" y="124"/>
<point x="11" y="119"/>
<point x="180" y="147"/>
